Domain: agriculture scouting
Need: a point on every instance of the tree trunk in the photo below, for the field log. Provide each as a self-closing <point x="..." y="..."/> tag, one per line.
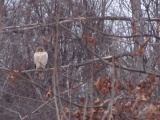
<point x="1" y="15"/>
<point x="138" y="29"/>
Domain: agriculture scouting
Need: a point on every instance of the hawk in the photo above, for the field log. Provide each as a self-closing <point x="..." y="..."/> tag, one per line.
<point x="40" y="60"/>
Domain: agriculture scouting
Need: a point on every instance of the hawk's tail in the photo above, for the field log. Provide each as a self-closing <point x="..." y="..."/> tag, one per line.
<point x="41" y="75"/>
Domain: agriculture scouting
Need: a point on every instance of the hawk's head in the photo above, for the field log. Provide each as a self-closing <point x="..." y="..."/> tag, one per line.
<point x="40" y="49"/>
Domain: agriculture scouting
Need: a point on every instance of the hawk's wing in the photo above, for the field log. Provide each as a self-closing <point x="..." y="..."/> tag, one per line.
<point x="44" y="58"/>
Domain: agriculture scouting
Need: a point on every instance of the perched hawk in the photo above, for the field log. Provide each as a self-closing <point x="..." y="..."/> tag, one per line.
<point x="40" y="60"/>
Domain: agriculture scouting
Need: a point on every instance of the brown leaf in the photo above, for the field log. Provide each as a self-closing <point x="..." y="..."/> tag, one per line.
<point x="128" y="104"/>
<point x="105" y="91"/>
<point x="12" y="74"/>
<point x="118" y="86"/>
<point x="12" y="77"/>
<point x="49" y="93"/>
<point x="97" y="101"/>
<point x="85" y="37"/>
<point x="82" y="101"/>
<point x="141" y="51"/>
<point x="152" y="78"/>
<point x="66" y="110"/>
<point x="151" y="111"/>
<point x="98" y="83"/>
<point x="77" y="114"/>
<point x="131" y="87"/>
<point x="91" y="41"/>
<point x="62" y="117"/>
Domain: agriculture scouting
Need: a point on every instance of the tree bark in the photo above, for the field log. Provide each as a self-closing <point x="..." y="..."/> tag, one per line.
<point x="1" y="15"/>
<point x="138" y="29"/>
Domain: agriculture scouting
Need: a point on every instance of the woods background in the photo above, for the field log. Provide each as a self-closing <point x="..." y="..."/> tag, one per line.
<point x="104" y="59"/>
